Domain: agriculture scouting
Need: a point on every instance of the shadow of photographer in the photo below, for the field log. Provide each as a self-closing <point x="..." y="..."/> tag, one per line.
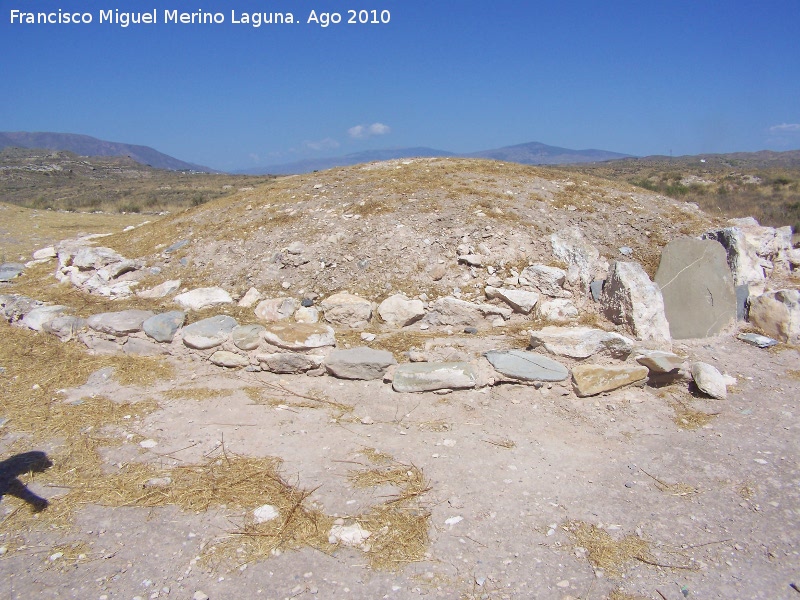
<point x="26" y="462"/>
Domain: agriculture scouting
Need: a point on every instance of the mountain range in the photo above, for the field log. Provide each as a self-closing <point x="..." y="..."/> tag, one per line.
<point x="85" y="145"/>
<point x="532" y="153"/>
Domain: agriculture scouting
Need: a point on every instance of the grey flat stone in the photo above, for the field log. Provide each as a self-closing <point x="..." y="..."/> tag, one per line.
<point x="754" y="339"/>
<point x="526" y="366"/>
<point x="9" y="271"/>
<point x="247" y="337"/>
<point x="427" y="377"/>
<point x="137" y="347"/>
<point x="164" y="326"/>
<point x="208" y="333"/>
<point x="119" y="323"/>
<point x="359" y="363"/>
<point x="289" y="362"/>
<point x="65" y="327"/>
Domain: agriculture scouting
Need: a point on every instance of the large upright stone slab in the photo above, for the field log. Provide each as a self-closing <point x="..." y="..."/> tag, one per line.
<point x="359" y="363"/>
<point x="209" y="333"/>
<point x="630" y="298"/>
<point x="778" y="314"/>
<point x="526" y="366"/>
<point x="428" y="377"/>
<point x="697" y="287"/>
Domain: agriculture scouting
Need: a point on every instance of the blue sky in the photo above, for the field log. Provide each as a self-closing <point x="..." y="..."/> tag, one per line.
<point x="628" y="76"/>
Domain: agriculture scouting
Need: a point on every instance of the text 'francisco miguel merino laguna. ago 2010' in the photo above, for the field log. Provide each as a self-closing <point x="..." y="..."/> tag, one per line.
<point x="198" y="17"/>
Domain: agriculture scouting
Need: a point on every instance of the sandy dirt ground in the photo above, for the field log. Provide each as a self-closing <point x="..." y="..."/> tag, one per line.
<point x="509" y="467"/>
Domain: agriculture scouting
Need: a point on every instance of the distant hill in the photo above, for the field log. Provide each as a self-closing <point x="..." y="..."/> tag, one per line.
<point x="533" y="153"/>
<point x="536" y="153"/>
<point x="85" y="145"/>
<point x="321" y="164"/>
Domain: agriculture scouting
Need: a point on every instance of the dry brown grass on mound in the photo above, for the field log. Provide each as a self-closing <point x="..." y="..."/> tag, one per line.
<point x="603" y="551"/>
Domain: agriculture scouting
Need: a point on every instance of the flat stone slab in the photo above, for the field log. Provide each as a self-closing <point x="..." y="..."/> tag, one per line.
<point x="754" y="339"/>
<point x="526" y="366"/>
<point x="289" y="362"/>
<point x="37" y="318"/>
<point x="247" y="337"/>
<point x="697" y="287"/>
<point x="359" y="363"/>
<point x="300" y="336"/>
<point x="581" y="342"/>
<point x="9" y="271"/>
<point x="428" y="377"/>
<point x="119" y="323"/>
<point x="137" y="347"/>
<point x="64" y="327"/>
<point x="519" y="300"/>
<point x="223" y="358"/>
<point x="161" y="290"/>
<point x="590" y="380"/>
<point x="660" y="362"/>
<point x="208" y="333"/>
<point x="164" y="326"/>
<point x="203" y="298"/>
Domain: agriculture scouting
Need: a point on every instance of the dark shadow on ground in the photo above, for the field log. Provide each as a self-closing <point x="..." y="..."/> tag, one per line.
<point x="10" y="470"/>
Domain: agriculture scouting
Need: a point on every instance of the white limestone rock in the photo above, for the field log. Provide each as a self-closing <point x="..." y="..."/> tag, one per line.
<point x="520" y="301"/>
<point x="630" y="298"/>
<point x="201" y="298"/>
<point x="400" y="311"/>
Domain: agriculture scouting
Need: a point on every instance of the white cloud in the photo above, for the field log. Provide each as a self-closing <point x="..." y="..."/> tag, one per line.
<point x="361" y="132"/>
<point x="326" y="144"/>
<point x="785" y="128"/>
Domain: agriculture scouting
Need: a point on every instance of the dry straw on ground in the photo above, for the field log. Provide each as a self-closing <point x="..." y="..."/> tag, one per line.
<point x="603" y="551"/>
<point x="73" y="434"/>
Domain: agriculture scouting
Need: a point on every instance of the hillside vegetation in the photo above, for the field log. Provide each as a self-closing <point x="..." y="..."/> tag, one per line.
<point x="45" y="179"/>
<point x="764" y="185"/>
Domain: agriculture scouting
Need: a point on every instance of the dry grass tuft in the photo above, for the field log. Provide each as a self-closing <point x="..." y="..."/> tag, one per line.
<point x="376" y="457"/>
<point x="686" y="417"/>
<point x="400" y="525"/>
<point x="603" y="551"/>
<point x="196" y="393"/>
